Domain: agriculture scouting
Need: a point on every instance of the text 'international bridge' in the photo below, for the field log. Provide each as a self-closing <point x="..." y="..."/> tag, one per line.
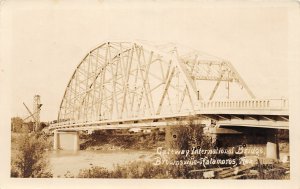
<point x="122" y="85"/>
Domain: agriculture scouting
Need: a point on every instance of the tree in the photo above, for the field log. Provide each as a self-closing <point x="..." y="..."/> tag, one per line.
<point x="31" y="160"/>
<point x="16" y="124"/>
<point x="187" y="136"/>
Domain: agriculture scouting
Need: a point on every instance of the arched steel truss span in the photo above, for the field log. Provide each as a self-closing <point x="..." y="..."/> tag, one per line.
<point x="119" y="80"/>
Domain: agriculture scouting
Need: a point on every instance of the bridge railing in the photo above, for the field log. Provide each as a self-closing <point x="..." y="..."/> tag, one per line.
<point x="256" y="104"/>
<point x="264" y="104"/>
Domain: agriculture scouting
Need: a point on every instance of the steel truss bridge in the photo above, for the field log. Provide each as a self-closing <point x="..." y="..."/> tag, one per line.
<point x="121" y="85"/>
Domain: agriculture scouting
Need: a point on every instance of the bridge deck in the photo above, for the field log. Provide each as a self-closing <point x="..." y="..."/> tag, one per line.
<point x="249" y="113"/>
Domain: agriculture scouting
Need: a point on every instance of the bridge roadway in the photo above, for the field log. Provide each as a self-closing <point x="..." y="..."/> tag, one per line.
<point x="262" y="113"/>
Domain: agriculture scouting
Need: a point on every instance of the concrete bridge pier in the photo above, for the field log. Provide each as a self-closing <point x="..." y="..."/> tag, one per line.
<point x="272" y="147"/>
<point x="272" y="150"/>
<point x="66" y="140"/>
<point x="55" y="140"/>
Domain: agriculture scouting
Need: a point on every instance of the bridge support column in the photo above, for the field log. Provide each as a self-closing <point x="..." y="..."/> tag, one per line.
<point x="55" y="141"/>
<point x="66" y="140"/>
<point x="76" y="142"/>
<point x="272" y="148"/>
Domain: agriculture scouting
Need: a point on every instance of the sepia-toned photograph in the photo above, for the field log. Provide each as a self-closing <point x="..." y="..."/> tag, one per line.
<point x="128" y="90"/>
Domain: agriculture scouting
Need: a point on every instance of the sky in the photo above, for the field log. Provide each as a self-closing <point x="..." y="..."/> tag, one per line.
<point x="46" y="41"/>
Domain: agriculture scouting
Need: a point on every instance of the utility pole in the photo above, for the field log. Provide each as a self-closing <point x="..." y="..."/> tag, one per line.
<point x="36" y="109"/>
<point x="36" y="112"/>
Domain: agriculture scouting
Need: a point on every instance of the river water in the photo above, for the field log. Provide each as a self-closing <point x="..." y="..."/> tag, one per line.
<point x="62" y="162"/>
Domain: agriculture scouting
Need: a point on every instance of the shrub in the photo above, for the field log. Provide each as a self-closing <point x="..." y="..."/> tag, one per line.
<point x="136" y="169"/>
<point x="31" y="159"/>
<point x="94" y="172"/>
<point x="186" y="137"/>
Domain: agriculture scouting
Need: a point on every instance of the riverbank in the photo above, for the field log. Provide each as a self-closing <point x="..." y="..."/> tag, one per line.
<point x="104" y="154"/>
<point x="111" y="140"/>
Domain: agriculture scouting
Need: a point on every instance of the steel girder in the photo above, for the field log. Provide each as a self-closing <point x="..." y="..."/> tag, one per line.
<point x="120" y="80"/>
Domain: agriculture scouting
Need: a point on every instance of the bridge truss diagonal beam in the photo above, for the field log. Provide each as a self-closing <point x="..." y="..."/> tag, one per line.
<point x="125" y="80"/>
